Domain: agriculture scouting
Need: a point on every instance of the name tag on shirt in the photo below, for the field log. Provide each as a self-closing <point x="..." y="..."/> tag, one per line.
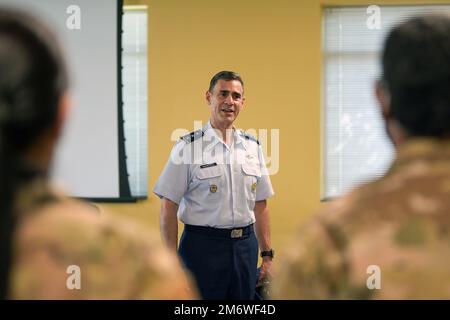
<point x="208" y="165"/>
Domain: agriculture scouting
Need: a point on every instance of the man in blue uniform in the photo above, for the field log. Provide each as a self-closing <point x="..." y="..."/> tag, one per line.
<point x="217" y="181"/>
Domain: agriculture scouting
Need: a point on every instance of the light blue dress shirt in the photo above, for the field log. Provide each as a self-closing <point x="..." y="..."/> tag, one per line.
<point x="215" y="185"/>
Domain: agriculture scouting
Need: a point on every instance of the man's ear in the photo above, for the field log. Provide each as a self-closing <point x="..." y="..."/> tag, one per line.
<point x="208" y="97"/>
<point x="384" y="99"/>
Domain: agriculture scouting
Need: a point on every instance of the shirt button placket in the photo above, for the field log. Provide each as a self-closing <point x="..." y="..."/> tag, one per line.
<point x="233" y="192"/>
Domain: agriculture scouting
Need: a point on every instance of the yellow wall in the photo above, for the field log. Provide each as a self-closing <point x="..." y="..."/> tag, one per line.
<point x="276" y="46"/>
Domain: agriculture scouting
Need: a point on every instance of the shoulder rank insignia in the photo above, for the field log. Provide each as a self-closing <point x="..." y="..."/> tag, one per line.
<point x="249" y="136"/>
<point x="194" y="135"/>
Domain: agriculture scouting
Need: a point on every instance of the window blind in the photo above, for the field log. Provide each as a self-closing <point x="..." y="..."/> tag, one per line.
<point x="134" y="77"/>
<point x="355" y="146"/>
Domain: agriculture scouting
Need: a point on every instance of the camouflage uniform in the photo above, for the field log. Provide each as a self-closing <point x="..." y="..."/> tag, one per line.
<point x="400" y="223"/>
<point x="117" y="259"/>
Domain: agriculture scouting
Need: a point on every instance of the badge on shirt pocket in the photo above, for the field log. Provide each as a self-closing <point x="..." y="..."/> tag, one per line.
<point x="252" y="174"/>
<point x="210" y="176"/>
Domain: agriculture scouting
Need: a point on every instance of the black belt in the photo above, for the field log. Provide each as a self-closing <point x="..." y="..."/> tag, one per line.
<point x="234" y="233"/>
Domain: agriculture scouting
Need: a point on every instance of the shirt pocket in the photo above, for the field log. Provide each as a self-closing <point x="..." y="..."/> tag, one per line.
<point x="252" y="173"/>
<point x="210" y="180"/>
<point x="251" y="170"/>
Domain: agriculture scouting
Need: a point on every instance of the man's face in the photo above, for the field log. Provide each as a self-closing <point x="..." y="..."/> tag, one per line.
<point x="226" y="101"/>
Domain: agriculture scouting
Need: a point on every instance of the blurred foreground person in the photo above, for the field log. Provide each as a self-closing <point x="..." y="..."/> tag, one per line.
<point x="390" y="239"/>
<point x="51" y="246"/>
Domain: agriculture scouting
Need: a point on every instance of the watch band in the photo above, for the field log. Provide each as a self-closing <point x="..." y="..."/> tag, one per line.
<point x="268" y="253"/>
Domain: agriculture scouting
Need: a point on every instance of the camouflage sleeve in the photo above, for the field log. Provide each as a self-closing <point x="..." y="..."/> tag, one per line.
<point x="151" y="271"/>
<point x="69" y="251"/>
<point x="163" y="278"/>
<point x="313" y="267"/>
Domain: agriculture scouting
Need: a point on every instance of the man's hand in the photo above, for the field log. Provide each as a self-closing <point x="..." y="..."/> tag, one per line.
<point x="266" y="271"/>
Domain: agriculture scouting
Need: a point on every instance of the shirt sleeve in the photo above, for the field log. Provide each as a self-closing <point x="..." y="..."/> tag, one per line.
<point x="174" y="179"/>
<point x="264" y="189"/>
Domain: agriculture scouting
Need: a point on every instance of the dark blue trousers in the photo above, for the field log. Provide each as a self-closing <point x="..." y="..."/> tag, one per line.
<point x="223" y="266"/>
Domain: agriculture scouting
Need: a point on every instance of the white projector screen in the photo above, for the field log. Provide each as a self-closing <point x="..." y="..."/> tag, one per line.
<point x="90" y="159"/>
